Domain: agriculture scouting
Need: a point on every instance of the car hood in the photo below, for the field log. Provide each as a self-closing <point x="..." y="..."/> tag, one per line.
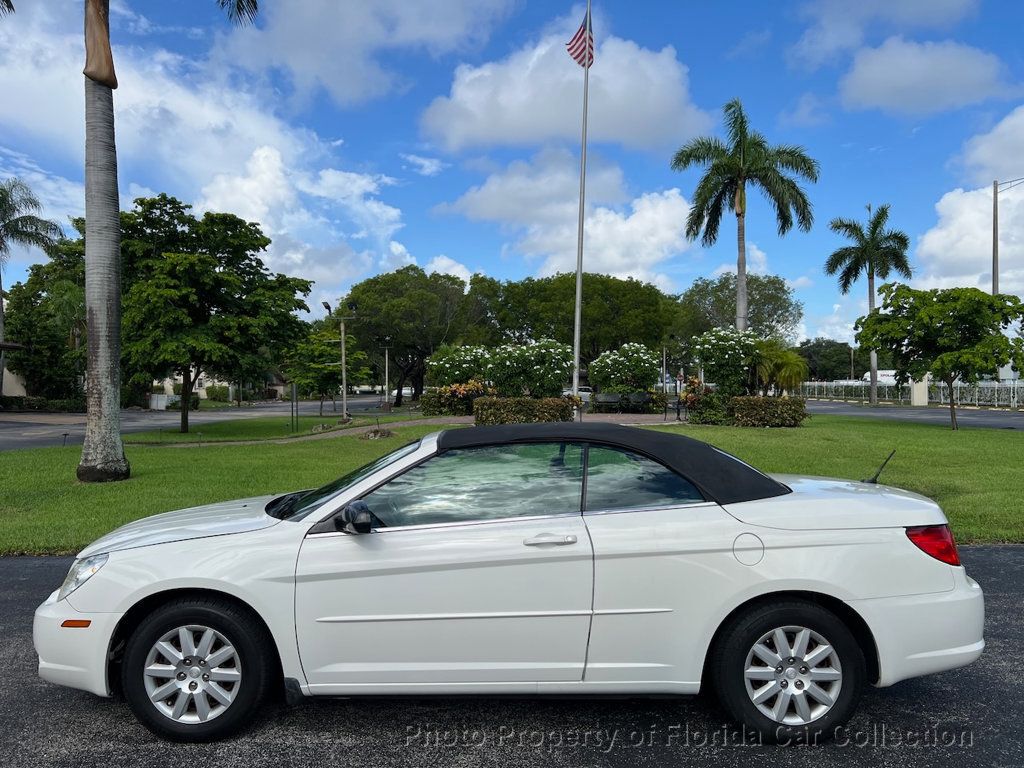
<point x="193" y="523"/>
<point x="823" y="503"/>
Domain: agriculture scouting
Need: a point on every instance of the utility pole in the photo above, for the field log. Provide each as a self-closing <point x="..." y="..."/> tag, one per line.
<point x="995" y="237"/>
<point x="344" y="374"/>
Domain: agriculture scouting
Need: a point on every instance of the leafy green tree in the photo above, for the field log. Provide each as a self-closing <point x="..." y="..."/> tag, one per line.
<point x="829" y="360"/>
<point x="452" y="364"/>
<point x="956" y="333"/>
<point x="747" y="159"/>
<point x="211" y="310"/>
<point x="47" y="312"/>
<point x="707" y="304"/>
<point x="102" y="453"/>
<point x="725" y="355"/>
<point x="313" y="363"/>
<point x="19" y="225"/>
<point x="876" y="251"/>
<point x="614" y="311"/>
<point x="412" y="314"/>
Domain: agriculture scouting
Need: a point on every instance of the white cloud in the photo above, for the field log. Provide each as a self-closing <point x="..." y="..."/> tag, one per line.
<point x="800" y="282"/>
<point x="59" y="197"/>
<point x="396" y="256"/>
<point x="536" y="203"/>
<point x="999" y="153"/>
<point x="638" y="97"/>
<point x="183" y="127"/>
<point x="757" y="263"/>
<point x="342" y="47"/>
<point x="838" y="324"/>
<point x="807" y="112"/>
<point x="911" y="78"/>
<point x="957" y="251"/>
<point x="425" y="166"/>
<point x="839" y="26"/>
<point x="449" y="266"/>
<point x="541" y="191"/>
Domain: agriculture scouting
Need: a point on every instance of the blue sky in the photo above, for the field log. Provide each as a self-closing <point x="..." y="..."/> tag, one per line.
<point x="368" y="135"/>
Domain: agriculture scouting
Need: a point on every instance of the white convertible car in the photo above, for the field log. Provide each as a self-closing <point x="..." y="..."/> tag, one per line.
<point x="530" y="559"/>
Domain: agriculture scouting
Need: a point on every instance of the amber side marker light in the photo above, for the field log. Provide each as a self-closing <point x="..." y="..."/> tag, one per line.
<point x="76" y="623"/>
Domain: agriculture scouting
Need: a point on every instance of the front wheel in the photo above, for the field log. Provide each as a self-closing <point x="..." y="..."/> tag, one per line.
<point x="791" y="672"/>
<point x="196" y="670"/>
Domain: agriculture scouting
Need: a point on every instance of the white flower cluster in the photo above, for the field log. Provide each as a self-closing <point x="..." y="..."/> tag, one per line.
<point x="632" y="366"/>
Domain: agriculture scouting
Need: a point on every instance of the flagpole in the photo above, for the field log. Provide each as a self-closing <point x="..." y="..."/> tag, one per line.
<point x="579" y="235"/>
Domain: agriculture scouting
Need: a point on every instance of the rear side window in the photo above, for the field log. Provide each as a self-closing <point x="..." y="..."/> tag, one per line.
<point x="620" y="479"/>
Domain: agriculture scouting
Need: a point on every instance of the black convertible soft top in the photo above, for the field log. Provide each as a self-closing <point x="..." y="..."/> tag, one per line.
<point x="720" y="477"/>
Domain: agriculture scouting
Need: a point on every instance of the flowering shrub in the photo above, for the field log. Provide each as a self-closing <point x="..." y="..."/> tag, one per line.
<point x="534" y="369"/>
<point x="457" y="365"/>
<point x="725" y="355"/>
<point x="631" y="368"/>
<point x="453" y="399"/>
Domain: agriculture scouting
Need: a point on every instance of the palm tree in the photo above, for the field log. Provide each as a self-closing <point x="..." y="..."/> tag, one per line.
<point x="876" y="251"/>
<point x="19" y="224"/>
<point x="103" y="454"/>
<point x="747" y="159"/>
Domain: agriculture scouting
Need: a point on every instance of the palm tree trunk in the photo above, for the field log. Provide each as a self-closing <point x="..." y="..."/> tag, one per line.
<point x="741" y="272"/>
<point x="102" y="455"/>
<point x="874" y="355"/>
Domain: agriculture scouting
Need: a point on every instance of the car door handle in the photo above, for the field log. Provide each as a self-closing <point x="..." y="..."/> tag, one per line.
<point x="549" y="538"/>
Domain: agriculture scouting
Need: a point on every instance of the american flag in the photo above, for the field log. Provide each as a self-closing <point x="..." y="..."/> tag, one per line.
<point x="581" y="47"/>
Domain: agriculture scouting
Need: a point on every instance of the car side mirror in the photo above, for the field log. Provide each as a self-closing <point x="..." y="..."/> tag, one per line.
<point x="354" y="517"/>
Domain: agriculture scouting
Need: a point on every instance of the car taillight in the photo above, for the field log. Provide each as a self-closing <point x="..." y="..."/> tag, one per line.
<point x="935" y="540"/>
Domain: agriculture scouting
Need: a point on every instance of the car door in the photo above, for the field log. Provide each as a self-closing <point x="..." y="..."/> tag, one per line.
<point x="663" y="560"/>
<point x="479" y="570"/>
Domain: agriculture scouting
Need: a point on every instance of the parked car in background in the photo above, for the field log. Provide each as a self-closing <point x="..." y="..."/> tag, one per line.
<point x="884" y="377"/>
<point x="406" y="392"/>
<point x="561" y="558"/>
<point x="584" y="393"/>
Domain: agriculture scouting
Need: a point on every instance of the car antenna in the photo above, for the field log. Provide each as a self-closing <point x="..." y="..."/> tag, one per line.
<point x="874" y="478"/>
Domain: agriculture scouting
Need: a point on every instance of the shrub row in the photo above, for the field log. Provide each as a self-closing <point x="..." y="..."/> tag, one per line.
<point x="521" y="410"/>
<point x="217" y="392"/>
<point x="453" y="399"/>
<point x="768" y="411"/>
<point x="56" y="405"/>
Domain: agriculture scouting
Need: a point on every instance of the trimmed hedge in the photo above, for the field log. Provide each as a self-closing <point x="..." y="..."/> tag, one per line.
<point x="768" y="411"/>
<point x="217" y="392"/>
<point x="707" y="408"/>
<point x="30" y="403"/>
<point x="521" y="410"/>
<point x="453" y="399"/>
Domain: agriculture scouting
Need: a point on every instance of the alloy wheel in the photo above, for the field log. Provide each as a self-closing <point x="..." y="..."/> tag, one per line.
<point x="793" y="675"/>
<point x="192" y="674"/>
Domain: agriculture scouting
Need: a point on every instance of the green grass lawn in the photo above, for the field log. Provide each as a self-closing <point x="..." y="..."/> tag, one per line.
<point x="975" y="474"/>
<point x="256" y="428"/>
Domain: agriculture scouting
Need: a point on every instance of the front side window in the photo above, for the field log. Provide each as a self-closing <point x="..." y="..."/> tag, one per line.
<point x="486" y="483"/>
<point x="620" y="479"/>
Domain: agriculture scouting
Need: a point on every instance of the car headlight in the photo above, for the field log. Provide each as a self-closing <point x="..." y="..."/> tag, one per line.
<point x="81" y="571"/>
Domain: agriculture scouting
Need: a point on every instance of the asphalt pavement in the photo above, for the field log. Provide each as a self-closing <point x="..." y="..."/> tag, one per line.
<point x="27" y="429"/>
<point x="967" y="717"/>
<point x="967" y="417"/>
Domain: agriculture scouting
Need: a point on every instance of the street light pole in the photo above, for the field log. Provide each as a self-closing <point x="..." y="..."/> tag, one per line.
<point x="995" y="237"/>
<point x="344" y="374"/>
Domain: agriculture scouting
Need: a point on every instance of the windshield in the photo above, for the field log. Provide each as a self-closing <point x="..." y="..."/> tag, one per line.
<point x="295" y="506"/>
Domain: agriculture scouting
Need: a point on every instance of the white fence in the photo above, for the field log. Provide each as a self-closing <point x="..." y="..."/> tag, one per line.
<point x="1003" y="394"/>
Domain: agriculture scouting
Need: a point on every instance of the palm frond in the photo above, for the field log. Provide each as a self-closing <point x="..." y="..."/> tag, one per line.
<point x="239" y="11"/>
<point x="786" y="196"/>
<point x="795" y="159"/>
<point x="849" y="228"/>
<point x="736" y="125"/>
<point x="703" y="150"/>
<point x="877" y="222"/>
<point x="6" y="6"/>
<point x="714" y="191"/>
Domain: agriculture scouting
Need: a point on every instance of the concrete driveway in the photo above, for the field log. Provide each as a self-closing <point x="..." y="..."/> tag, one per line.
<point x="968" y="717"/>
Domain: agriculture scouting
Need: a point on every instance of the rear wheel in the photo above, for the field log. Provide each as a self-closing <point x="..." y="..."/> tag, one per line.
<point x="196" y="670"/>
<point x="790" y="671"/>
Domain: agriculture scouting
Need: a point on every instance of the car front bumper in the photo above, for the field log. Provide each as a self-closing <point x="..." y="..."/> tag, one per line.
<point x="73" y="656"/>
<point x="921" y="634"/>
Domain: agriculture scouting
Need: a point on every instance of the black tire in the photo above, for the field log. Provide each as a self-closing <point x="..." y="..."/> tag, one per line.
<point x="244" y="632"/>
<point x="729" y="658"/>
